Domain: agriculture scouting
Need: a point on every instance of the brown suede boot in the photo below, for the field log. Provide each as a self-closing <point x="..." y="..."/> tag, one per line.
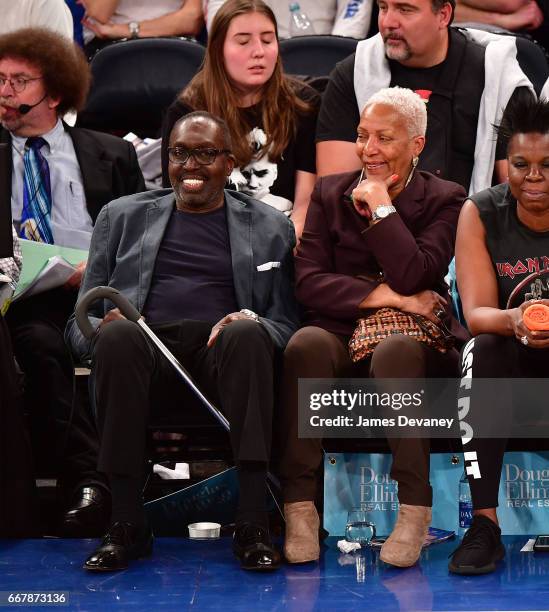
<point x="403" y="546"/>
<point x="301" y="541"/>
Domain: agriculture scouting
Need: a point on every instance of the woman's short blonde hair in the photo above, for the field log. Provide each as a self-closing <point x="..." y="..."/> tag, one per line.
<point x="405" y="102"/>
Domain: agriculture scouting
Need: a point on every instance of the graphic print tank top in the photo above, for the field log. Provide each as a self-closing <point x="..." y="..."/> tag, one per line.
<point x="520" y="256"/>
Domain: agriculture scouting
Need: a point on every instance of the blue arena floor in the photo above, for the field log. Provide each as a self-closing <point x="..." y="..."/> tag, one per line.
<point x="190" y="575"/>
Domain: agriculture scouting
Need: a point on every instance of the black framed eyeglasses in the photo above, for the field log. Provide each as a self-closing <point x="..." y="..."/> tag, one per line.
<point x="18" y="84"/>
<point x="204" y="157"/>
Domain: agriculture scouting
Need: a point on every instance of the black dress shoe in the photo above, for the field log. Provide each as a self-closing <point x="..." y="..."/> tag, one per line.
<point x="123" y="542"/>
<point x="88" y="515"/>
<point x="252" y="546"/>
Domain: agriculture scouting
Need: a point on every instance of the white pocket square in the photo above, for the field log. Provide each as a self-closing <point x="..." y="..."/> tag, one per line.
<point x="268" y="266"/>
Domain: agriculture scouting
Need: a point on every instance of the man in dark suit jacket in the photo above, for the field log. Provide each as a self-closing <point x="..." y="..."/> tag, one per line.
<point x="185" y="258"/>
<point x="42" y="76"/>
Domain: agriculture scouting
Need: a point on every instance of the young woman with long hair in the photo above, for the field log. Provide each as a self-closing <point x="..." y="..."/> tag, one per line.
<point x="270" y="115"/>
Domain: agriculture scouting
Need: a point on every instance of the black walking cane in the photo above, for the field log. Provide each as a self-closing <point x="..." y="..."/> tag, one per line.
<point x="132" y="314"/>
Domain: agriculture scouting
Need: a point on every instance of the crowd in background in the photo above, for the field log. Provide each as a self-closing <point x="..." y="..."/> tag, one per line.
<point x="424" y="104"/>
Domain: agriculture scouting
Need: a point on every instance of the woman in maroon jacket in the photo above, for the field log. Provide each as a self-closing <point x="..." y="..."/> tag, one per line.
<point x="383" y="238"/>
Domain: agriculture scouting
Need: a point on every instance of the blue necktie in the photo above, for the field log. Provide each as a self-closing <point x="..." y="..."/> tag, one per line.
<point x="36" y="215"/>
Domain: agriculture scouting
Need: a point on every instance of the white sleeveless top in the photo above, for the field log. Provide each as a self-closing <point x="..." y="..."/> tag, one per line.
<point x="140" y="10"/>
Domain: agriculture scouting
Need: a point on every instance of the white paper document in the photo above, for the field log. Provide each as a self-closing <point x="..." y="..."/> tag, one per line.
<point x="46" y="266"/>
<point x="55" y="273"/>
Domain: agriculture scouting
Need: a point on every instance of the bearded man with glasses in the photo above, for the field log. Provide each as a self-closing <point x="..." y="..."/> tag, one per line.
<point x="211" y="271"/>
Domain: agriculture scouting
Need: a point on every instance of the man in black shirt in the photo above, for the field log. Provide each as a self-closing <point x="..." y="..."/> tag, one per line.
<point x="417" y="49"/>
<point x="185" y="258"/>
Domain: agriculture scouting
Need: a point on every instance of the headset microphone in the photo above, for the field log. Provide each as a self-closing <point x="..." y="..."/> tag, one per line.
<point x="26" y="108"/>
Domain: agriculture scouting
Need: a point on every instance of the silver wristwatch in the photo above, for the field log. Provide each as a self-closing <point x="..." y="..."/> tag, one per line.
<point x="134" y="29"/>
<point x="382" y="212"/>
<point x="250" y="313"/>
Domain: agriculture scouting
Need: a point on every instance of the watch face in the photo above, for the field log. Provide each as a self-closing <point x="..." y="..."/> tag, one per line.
<point x="381" y="212"/>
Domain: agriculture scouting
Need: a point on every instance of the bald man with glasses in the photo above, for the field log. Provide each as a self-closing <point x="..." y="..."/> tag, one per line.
<point x="211" y="271"/>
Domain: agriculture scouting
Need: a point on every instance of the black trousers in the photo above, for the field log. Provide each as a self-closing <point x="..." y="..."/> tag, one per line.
<point x="17" y="499"/>
<point x="36" y="326"/>
<point x="494" y="356"/>
<point x="132" y="378"/>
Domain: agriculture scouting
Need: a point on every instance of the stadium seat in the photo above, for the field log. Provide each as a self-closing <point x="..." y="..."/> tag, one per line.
<point x="134" y="81"/>
<point x="315" y="56"/>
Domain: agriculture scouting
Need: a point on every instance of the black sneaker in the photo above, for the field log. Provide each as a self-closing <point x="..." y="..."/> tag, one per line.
<point x="252" y="546"/>
<point x="480" y="549"/>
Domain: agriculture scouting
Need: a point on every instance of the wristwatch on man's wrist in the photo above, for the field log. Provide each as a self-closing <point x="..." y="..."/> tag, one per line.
<point x="251" y="314"/>
<point x="383" y="211"/>
<point x="134" y="29"/>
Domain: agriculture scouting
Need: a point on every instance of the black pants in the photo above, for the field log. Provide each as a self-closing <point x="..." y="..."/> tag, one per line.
<point x="37" y="325"/>
<point x="494" y="356"/>
<point x="132" y="378"/>
<point x="17" y="498"/>
<point x="316" y="353"/>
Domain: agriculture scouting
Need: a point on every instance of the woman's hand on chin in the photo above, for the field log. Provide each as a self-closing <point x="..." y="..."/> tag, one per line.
<point x="371" y="193"/>
<point x="425" y="303"/>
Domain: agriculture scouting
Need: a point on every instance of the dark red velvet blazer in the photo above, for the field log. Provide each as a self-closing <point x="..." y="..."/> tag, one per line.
<point x="340" y="257"/>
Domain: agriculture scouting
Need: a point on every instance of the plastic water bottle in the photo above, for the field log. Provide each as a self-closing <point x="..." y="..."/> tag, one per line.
<point x="300" y="24"/>
<point x="465" y="505"/>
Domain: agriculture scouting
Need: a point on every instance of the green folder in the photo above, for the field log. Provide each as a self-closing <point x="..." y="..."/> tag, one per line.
<point x="37" y="255"/>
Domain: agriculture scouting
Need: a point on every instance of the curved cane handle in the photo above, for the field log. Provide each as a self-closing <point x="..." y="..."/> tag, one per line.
<point x="105" y="293"/>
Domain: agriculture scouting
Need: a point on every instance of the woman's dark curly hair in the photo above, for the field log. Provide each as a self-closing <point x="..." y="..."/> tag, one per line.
<point x="62" y="63"/>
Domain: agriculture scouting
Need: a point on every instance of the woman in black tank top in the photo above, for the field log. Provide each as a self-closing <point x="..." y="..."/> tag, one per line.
<point x="502" y="263"/>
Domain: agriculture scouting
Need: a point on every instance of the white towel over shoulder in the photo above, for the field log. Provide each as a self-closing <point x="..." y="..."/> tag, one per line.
<point x="502" y="76"/>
